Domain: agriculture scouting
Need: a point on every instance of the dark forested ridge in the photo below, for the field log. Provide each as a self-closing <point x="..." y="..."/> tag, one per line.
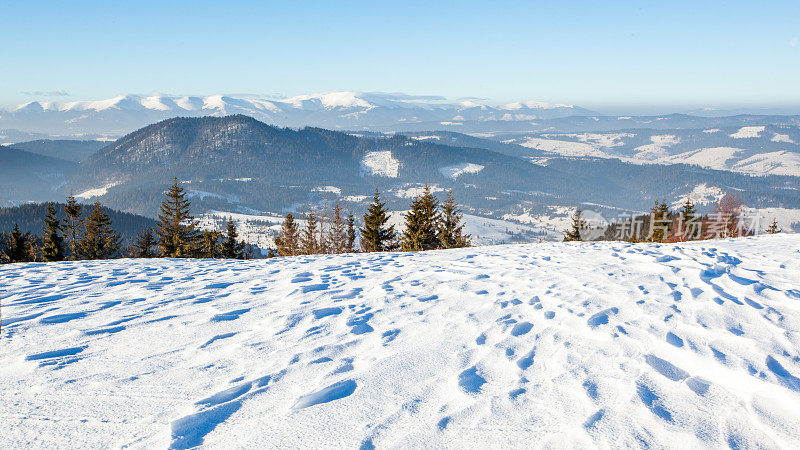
<point x="237" y="161"/>
<point x="71" y="150"/>
<point x="29" y="218"/>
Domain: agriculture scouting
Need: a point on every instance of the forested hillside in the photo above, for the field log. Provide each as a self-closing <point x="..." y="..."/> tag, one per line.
<point x="29" y="218"/>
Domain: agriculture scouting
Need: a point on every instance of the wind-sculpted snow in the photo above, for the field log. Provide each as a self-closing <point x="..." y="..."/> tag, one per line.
<point x="540" y="345"/>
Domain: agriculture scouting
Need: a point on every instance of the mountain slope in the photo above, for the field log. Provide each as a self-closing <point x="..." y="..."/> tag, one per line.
<point x="608" y="345"/>
<point x="26" y="176"/>
<point x="30" y="218"/>
<point x="237" y="159"/>
<point x="71" y="150"/>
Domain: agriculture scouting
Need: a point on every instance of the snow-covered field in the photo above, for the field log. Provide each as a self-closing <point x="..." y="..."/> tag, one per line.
<point x="96" y="192"/>
<point x="380" y="163"/>
<point x="537" y="345"/>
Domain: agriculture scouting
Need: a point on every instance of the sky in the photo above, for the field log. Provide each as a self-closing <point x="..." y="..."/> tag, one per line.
<point x="609" y="55"/>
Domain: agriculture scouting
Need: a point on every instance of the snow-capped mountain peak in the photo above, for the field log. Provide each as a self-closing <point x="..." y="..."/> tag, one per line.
<point x="532" y="104"/>
<point x="329" y="100"/>
<point x="340" y="110"/>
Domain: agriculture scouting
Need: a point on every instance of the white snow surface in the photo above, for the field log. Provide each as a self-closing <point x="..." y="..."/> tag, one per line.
<point x="702" y="194"/>
<point x="411" y="190"/>
<point x="329" y="189"/>
<point x="603" y="139"/>
<point x="455" y="170"/>
<point x="566" y="148"/>
<point x="748" y="132"/>
<point x="380" y="163"/>
<point x="777" y="137"/>
<point x="538" y="345"/>
<point x="96" y="192"/>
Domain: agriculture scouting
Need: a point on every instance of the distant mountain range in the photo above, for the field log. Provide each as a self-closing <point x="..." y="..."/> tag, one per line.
<point x="336" y="110"/>
<point x="751" y="149"/>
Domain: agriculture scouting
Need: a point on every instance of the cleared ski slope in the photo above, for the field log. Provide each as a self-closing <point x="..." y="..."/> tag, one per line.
<point x="540" y="345"/>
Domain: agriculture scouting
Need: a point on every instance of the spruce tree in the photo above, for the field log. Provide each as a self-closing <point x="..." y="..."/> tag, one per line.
<point x="72" y="224"/>
<point x="231" y="248"/>
<point x="688" y="210"/>
<point x="421" y="223"/>
<point x="350" y="245"/>
<point x="287" y="242"/>
<point x="177" y="229"/>
<point x="773" y="228"/>
<point x="337" y="233"/>
<point x="34" y="249"/>
<point x="376" y="236"/>
<point x="578" y="224"/>
<point x="18" y="246"/>
<point x="53" y="248"/>
<point x="308" y="240"/>
<point x="209" y="246"/>
<point x="451" y="230"/>
<point x="659" y="222"/>
<point x="144" y="245"/>
<point x="323" y="246"/>
<point x="664" y="214"/>
<point x="99" y="240"/>
<point x="689" y="213"/>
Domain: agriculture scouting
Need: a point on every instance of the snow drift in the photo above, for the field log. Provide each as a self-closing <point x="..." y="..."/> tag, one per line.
<point x="559" y="345"/>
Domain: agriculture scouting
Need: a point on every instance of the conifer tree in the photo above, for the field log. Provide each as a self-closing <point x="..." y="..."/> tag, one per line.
<point x="350" y="245"/>
<point x="421" y="223"/>
<point x="4" y="238"/>
<point x="337" y="233"/>
<point x="323" y="246"/>
<point x="231" y="248"/>
<point x="451" y="230"/>
<point x="287" y="242"/>
<point x="35" y="249"/>
<point x="690" y="219"/>
<point x="688" y="210"/>
<point x="659" y="222"/>
<point x="144" y="245"/>
<point x="308" y="240"/>
<point x="773" y="228"/>
<point x="99" y="240"/>
<point x="53" y="248"/>
<point x="578" y="224"/>
<point x="18" y="246"/>
<point x="209" y="244"/>
<point x="177" y="229"/>
<point x="72" y="225"/>
<point x="376" y="236"/>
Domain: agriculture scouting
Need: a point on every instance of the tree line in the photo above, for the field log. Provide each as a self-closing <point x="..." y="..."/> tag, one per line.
<point x="176" y="235"/>
<point x="726" y="220"/>
<point x="428" y="226"/>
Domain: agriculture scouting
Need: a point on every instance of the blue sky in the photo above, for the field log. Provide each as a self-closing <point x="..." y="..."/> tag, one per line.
<point x="601" y="55"/>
